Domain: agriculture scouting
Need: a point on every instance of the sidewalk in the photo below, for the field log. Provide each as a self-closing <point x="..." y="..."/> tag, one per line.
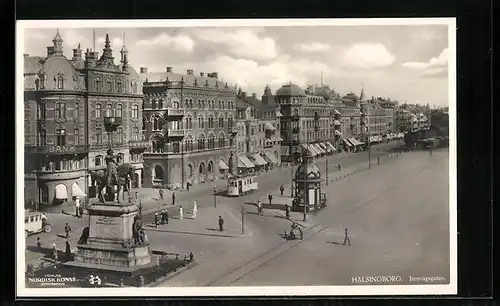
<point x="205" y="224"/>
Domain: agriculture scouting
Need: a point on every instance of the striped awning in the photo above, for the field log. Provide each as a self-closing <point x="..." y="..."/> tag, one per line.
<point x="257" y="160"/>
<point x="245" y="162"/>
<point x="336" y="122"/>
<point x="279" y="139"/>
<point x="278" y="114"/>
<point x="355" y="142"/>
<point x="222" y="165"/>
<point x="338" y="133"/>
<point x="329" y="144"/>
<point x="347" y="142"/>
<point x="323" y="146"/>
<point x="270" y="157"/>
<point x="319" y="148"/>
<point x="313" y="149"/>
<point x="306" y="148"/>
<point x="380" y="138"/>
<point x="337" y="112"/>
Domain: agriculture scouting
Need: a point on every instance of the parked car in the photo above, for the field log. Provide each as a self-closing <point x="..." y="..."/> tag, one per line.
<point x="35" y="222"/>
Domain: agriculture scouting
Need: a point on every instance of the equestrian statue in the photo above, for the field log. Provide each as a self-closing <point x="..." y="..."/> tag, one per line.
<point x="114" y="175"/>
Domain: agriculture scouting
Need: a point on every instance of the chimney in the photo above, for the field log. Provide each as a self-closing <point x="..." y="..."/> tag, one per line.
<point x="190" y="72"/>
<point x="215" y="75"/>
<point x="77" y="54"/>
<point x="202" y="74"/>
<point x="144" y="70"/>
<point x="169" y="69"/>
<point x="254" y="95"/>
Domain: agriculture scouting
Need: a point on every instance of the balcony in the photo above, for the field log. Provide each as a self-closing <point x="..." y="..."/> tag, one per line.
<point x="295" y="130"/>
<point x="174" y="134"/>
<point x="138" y="144"/>
<point x="174" y="114"/>
<point x="232" y="131"/>
<point x="57" y="150"/>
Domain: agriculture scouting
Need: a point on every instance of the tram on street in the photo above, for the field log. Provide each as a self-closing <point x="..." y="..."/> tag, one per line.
<point x="241" y="185"/>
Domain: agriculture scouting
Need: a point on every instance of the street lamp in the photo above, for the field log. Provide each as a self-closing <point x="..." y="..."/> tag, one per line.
<point x="306" y="191"/>
<point x="366" y="133"/>
<point x="242" y="219"/>
<point x="215" y="196"/>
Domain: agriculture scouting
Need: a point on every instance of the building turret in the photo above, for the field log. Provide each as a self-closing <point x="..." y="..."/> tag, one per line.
<point x="125" y="65"/>
<point x="77" y="53"/>
<point x="124" y="53"/>
<point x="267" y="97"/>
<point x="57" y="48"/>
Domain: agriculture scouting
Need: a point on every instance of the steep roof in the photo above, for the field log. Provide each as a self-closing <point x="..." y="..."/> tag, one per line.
<point x="189" y="80"/>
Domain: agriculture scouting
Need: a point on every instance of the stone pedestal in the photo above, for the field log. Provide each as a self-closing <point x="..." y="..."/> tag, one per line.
<point x="111" y="245"/>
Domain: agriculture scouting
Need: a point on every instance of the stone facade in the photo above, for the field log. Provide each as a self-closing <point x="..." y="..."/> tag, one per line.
<point x="65" y="104"/>
<point x="188" y="121"/>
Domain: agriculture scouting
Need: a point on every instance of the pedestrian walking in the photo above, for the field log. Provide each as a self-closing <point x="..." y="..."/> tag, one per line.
<point x="68" y="251"/>
<point x="43" y="217"/>
<point x="67" y="230"/>
<point x="260" y="210"/>
<point x="181" y="213"/>
<point x="195" y="210"/>
<point x="54" y="252"/>
<point x="221" y="224"/>
<point x="430" y="151"/>
<point x="77" y="207"/>
<point x="162" y="217"/>
<point x="282" y="189"/>
<point x="287" y="211"/>
<point x="166" y="216"/>
<point x="270" y="198"/>
<point x="340" y="167"/>
<point x="346" y="238"/>
<point x="38" y="243"/>
<point x="157" y="220"/>
<point x="160" y="192"/>
<point x="173" y="197"/>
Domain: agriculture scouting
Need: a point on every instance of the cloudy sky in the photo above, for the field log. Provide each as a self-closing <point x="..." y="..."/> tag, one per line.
<point x="403" y="62"/>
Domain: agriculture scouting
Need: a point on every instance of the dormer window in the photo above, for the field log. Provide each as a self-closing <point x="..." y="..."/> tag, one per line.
<point x="43" y="81"/>
<point x="119" y="86"/>
<point x="60" y="82"/>
<point x="98" y="84"/>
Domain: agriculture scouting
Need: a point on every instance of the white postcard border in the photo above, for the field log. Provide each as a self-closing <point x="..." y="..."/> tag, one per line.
<point x="353" y="290"/>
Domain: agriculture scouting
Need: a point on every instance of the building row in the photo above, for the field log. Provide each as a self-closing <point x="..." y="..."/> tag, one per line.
<point x="177" y="128"/>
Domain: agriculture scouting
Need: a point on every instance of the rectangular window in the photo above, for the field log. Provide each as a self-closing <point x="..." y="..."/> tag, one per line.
<point x="77" y="137"/>
<point x="60" y="137"/>
<point x="119" y="87"/>
<point x="98" y="111"/>
<point x="60" y="110"/>
<point x="98" y="134"/>
<point x="109" y="86"/>
<point x="76" y="112"/>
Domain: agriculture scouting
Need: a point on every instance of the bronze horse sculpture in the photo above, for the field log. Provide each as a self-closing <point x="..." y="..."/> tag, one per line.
<point x="114" y="175"/>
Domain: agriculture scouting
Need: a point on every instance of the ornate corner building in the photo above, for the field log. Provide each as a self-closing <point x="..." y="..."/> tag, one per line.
<point x="65" y="103"/>
<point x="189" y="121"/>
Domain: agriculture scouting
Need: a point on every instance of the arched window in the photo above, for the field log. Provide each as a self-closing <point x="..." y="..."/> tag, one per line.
<point x="153" y="103"/>
<point x="156" y="123"/>
<point x="135" y="111"/>
<point x="135" y="133"/>
<point x="230" y="121"/>
<point x="160" y="103"/>
<point x="134" y="86"/>
<point x="210" y="167"/>
<point x="190" y="171"/>
<point x="190" y="103"/>
<point x="175" y="104"/>
<point x="60" y="82"/>
<point x="76" y="112"/>
<point x="98" y="84"/>
<point x="43" y="81"/>
<point x="60" y="110"/>
<point x="201" y="123"/>
<point x="201" y="168"/>
<point x="118" y="112"/>
<point x="109" y="86"/>
<point x="222" y="105"/>
<point x="98" y="110"/>
<point x="158" y="173"/>
<point x="119" y="86"/>
<point x="201" y="142"/>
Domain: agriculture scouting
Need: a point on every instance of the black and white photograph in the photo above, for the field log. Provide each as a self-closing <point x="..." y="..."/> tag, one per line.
<point x="237" y="157"/>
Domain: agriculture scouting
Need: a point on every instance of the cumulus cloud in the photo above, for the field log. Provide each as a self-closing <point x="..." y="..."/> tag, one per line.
<point x="436" y="66"/>
<point x="312" y="47"/>
<point x="368" y="56"/>
<point x="242" y="42"/>
<point x="181" y="42"/>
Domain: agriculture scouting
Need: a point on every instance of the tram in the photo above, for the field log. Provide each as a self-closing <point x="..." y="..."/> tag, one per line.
<point x="241" y="185"/>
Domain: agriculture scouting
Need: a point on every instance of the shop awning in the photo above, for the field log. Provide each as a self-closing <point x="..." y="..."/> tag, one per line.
<point x="222" y="165"/>
<point x="258" y="161"/>
<point x="380" y="138"/>
<point x="269" y="126"/>
<point x="347" y="142"/>
<point x="76" y="191"/>
<point x="372" y="139"/>
<point x="338" y="133"/>
<point x="279" y="139"/>
<point x="245" y="162"/>
<point x="323" y="146"/>
<point x="329" y="144"/>
<point x="313" y="149"/>
<point x="336" y="122"/>
<point x="319" y="148"/>
<point x="61" y="192"/>
<point x="278" y="114"/>
<point x="270" y="157"/>
<point x="337" y="112"/>
<point x="306" y="148"/>
<point x="355" y="142"/>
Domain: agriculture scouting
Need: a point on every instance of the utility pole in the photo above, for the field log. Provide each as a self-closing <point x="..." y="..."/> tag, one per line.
<point x="306" y="192"/>
<point x="326" y="168"/>
<point x="215" y="197"/>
